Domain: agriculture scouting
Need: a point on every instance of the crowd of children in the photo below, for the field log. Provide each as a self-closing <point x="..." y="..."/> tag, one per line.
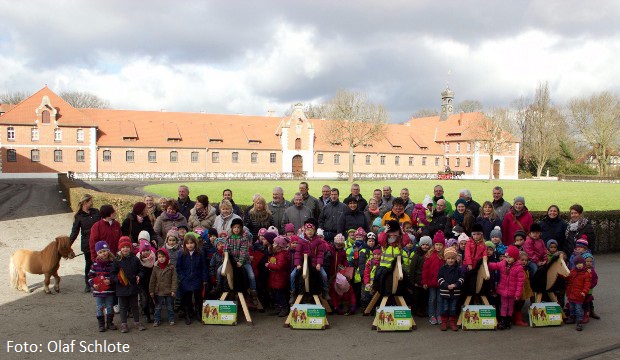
<point x="188" y="269"/>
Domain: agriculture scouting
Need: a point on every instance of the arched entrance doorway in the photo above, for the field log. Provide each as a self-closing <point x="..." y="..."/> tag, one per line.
<point x="496" y="169"/>
<point x="298" y="166"/>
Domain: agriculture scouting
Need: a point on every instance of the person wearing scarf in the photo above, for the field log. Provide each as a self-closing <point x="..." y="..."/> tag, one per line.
<point x="147" y="260"/>
<point x="518" y="218"/>
<point x="462" y="216"/>
<point x="202" y="215"/>
<point x="168" y="219"/>
<point x="137" y="221"/>
<point x="577" y="227"/>
<point x="163" y="286"/>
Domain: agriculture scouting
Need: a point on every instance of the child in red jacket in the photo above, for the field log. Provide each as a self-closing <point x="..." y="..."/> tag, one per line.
<point x="278" y="266"/>
<point x="432" y="263"/>
<point x="510" y="286"/>
<point x="339" y="264"/>
<point x="475" y="249"/>
<point x="535" y="248"/>
<point x="588" y="305"/>
<point x="578" y="285"/>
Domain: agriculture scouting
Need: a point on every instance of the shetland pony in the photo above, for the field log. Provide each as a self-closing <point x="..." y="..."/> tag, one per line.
<point x="45" y="262"/>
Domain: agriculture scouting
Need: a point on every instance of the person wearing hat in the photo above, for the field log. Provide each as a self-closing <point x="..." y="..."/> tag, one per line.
<point x="588" y="305"/>
<point x="510" y="286"/>
<point x="517" y="218"/>
<point x="581" y="248"/>
<point x="278" y="267"/>
<point x="83" y="220"/>
<point x="535" y="248"/>
<point x="136" y="222"/>
<point x="127" y="273"/>
<point x="420" y="295"/>
<point x="352" y="218"/>
<point x="238" y="246"/>
<point x="101" y="283"/>
<point x="338" y="292"/>
<point x="310" y="245"/>
<point x="461" y="216"/>
<point x="370" y="271"/>
<point x="106" y="229"/>
<point x="450" y="281"/>
<point x="163" y="286"/>
<point x="579" y="283"/>
<point x="215" y="265"/>
<point x="475" y="249"/>
<point x="432" y="263"/>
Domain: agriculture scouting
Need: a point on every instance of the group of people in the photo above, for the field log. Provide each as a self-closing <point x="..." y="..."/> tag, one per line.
<point x="169" y="253"/>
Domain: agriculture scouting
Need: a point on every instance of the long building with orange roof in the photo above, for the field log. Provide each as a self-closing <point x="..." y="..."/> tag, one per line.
<point x="44" y="134"/>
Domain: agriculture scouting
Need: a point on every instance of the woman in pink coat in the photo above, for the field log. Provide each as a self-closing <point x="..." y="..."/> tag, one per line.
<point x="517" y="218"/>
<point x="511" y="278"/>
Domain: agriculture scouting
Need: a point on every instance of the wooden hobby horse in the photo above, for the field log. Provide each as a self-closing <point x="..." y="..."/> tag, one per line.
<point x="46" y="261"/>
<point x="389" y="287"/>
<point x="312" y="285"/>
<point x="545" y="279"/>
<point x="474" y="285"/>
<point x="236" y="281"/>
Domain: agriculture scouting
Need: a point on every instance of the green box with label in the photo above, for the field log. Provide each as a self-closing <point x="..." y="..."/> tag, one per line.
<point x="215" y="312"/>
<point x="306" y="316"/>
<point x="394" y="318"/>
<point x="545" y="314"/>
<point x="478" y="317"/>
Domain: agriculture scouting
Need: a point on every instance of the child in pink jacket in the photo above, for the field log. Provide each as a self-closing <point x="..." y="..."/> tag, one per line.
<point x="475" y="249"/>
<point x="511" y="278"/>
<point x="535" y="248"/>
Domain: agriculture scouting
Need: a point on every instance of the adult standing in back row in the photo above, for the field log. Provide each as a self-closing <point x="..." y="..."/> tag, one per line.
<point x="83" y="221"/>
<point x="309" y="201"/>
<point x="297" y="214"/>
<point x="277" y="207"/>
<point x="355" y="192"/>
<point x="107" y="229"/>
<point x="184" y="202"/>
<point x="518" y="218"/>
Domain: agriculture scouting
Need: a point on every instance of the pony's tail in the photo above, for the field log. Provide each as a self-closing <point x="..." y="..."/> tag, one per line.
<point x="12" y="274"/>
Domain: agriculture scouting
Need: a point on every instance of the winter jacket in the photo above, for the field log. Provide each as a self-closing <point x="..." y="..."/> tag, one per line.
<point x="418" y="216"/>
<point x="511" y="278"/>
<point x="255" y="223"/>
<point x="488" y="225"/>
<point x="163" y="224"/>
<point x="277" y="211"/>
<point x="554" y="229"/>
<point x="102" y="269"/>
<point x="192" y="271"/>
<point x="184" y="208"/>
<point x="278" y="266"/>
<point x="313" y="204"/>
<point x="173" y="253"/>
<point x="448" y="275"/>
<point x="222" y="224"/>
<point x="102" y="230"/>
<point x="296" y="215"/>
<point x="536" y="250"/>
<point x="369" y="271"/>
<point x="239" y="248"/>
<point x="474" y="251"/>
<point x="364" y="254"/>
<point x="330" y="216"/>
<point x="574" y="232"/>
<point x="370" y="216"/>
<point x="474" y="207"/>
<point x="216" y="261"/>
<point x="511" y="225"/>
<point x="235" y="209"/>
<point x="163" y="281"/>
<point x="430" y="269"/>
<point x="362" y="204"/>
<point x="501" y="207"/>
<point x="391" y="216"/>
<point x="439" y="222"/>
<point x="193" y="221"/>
<point x="132" y="268"/>
<point x="466" y="223"/>
<point x="312" y="248"/>
<point x="339" y="262"/>
<point x="82" y="223"/>
<point x="352" y="220"/>
<point x="578" y="282"/>
<point x="132" y="228"/>
<point x="415" y="268"/>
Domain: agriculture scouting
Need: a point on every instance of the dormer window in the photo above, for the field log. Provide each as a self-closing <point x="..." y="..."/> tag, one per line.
<point x="45" y="117"/>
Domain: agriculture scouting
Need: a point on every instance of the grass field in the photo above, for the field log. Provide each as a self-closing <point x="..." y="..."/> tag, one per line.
<point x="538" y="194"/>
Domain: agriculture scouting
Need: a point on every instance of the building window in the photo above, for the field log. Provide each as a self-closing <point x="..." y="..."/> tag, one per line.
<point x="80" y="135"/>
<point x="298" y="144"/>
<point x="194" y="156"/>
<point x="215" y="157"/>
<point x="45" y="117"/>
<point x="107" y="155"/>
<point x="35" y="155"/>
<point x="57" y="134"/>
<point x="447" y="162"/>
<point x="468" y="163"/>
<point x="437" y="161"/>
<point x="423" y="160"/>
<point x="458" y="147"/>
<point x="79" y="156"/>
<point x="382" y="159"/>
<point x="10" y="133"/>
<point x="34" y="134"/>
<point x="129" y="156"/>
<point x="447" y="147"/>
<point x="57" y="155"/>
<point x="368" y="159"/>
<point x="458" y="162"/>
<point x="272" y="158"/>
<point x="174" y="156"/>
<point x="336" y="159"/>
<point x="468" y="147"/>
<point x="152" y="156"/>
<point x="410" y="160"/>
<point x="254" y="157"/>
<point x="235" y="157"/>
<point x="11" y="155"/>
<point x="396" y="160"/>
<point x="319" y="158"/>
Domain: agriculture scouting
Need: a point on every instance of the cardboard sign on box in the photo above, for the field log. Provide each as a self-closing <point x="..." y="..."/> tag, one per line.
<point x="545" y="314"/>
<point x="479" y="317"/>
<point x="215" y="312"/>
<point x="394" y="318"/>
<point x="306" y="316"/>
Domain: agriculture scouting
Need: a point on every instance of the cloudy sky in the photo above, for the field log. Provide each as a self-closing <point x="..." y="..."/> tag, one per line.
<point x="248" y="57"/>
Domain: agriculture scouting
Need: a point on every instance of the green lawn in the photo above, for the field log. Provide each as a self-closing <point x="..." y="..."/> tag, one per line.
<point x="538" y="194"/>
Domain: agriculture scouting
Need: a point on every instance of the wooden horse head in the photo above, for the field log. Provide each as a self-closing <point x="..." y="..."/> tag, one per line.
<point x="63" y="246"/>
<point x="397" y="275"/>
<point x="227" y="270"/>
<point x="483" y="274"/>
<point x="557" y="266"/>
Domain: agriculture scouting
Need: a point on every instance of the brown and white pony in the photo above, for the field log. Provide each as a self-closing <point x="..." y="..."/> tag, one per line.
<point x="45" y="262"/>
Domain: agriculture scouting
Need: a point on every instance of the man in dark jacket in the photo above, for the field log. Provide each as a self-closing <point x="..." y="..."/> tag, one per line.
<point x="352" y="218"/>
<point x="440" y="218"/>
<point x="471" y="204"/>
<point x="361" y="202"/>
<point x="331" y="214"/>
<point x="277" y="207"/>
<point x="185" y="204"/>
<point x="227" y="195"/>
<point x="310" y="201"/>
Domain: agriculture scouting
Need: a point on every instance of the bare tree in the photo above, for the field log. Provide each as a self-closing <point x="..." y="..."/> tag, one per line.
<point x="469" y="106"/>
<point x="492" y="132"/>
<point x="354" y="121"/>
<point x="597" y="122"/>
<point x="14" y="97"/>
<point x="425" y="113"/>
<point x="544" y="124"/>
<point x="81" y="99"/>
<point x="312" y="111"/>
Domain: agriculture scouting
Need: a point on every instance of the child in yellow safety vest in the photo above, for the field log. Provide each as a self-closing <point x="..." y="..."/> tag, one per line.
<point x="391" y="241"/>
<point x="353" y="260"/>
<point x="369" y="274"/>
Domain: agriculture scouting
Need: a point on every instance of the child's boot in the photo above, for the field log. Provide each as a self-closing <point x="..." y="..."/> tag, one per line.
<point x="110" y="322"/>
<point x="579" y="327"/>
<point x="291" y="301"/>
<point x="326" y="295"/>
<point x="444" y="323"/>
<point x="501" y="323"/>
<point x="101" y="321"/>
<point x="124" y="328"/>
<point x="517" y="319"/>
<point x="508" y="324"/>
<point x="586" y="317"/>
<point x="254" y="296"/>
<point x="593" y="315"/>
<point x="453" y="326"/>
<point x="569" y="320"/>
<point x="283" y="312"/>
<point x="139" y="326"/>
<point x="276" y="311"/>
